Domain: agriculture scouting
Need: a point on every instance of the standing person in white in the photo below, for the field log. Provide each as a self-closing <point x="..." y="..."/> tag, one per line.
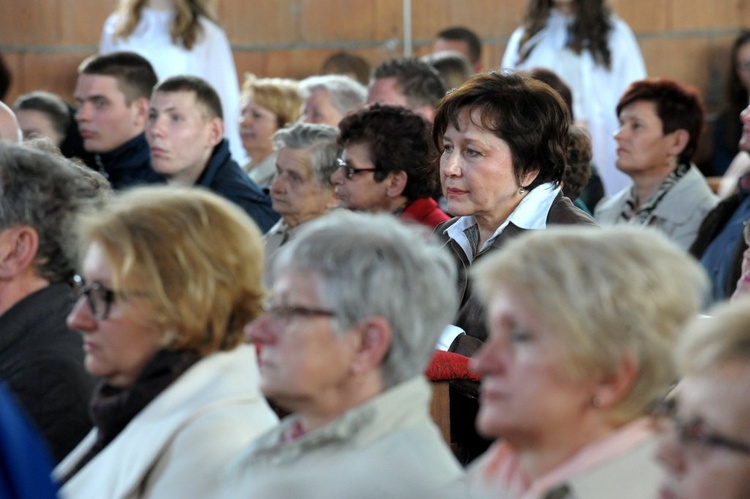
<point x="595" y="53"/>
<point x="180" y="37"/>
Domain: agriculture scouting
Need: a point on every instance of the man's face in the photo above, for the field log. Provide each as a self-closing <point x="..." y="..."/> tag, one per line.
<point x="105" y="119"/>
<point x="181" y="136"/>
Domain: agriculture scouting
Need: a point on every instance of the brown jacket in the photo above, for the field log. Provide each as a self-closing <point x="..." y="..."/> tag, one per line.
<point x="471" y="316"/>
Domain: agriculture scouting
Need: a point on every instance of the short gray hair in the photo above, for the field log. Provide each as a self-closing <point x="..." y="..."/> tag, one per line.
<point x="47" y="192"/>
<point x="374" y="265"/>
<point x="612" y="293"/>
<point x="320" y="140"/>
<point x="345" y="92"/>
<point x="712" y="342"/>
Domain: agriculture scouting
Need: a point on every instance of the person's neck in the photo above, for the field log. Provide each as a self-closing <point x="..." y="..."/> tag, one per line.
<point x="539" y="457"/>
<point x="331" y="405"/>
<point x="488" y="223"/>
<point x="17" y="288"/>
<point x="257" y="156"/>
<point x="646" y="183"/>
<point x="160" y="4"/>
<point x="565" y="8"/>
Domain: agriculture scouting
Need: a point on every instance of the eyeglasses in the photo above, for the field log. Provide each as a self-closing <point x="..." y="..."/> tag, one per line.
<point x="694" y="433"/>
<point x="99" y="298"/>
<point x="350" y="172"/>
<point x="746" y="232"/>
<point x="285" y="313"/>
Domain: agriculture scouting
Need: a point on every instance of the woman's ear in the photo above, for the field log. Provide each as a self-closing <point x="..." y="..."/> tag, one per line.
<point x="375" y="340"/>
<point x="679" y="141"/>
<point x="613" y="387"/>
<point x="529" y="177"/>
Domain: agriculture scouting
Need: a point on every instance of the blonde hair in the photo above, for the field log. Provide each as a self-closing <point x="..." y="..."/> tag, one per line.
<point x="194" y="258"/>
<point x="281" y="96"/>
<point x="711" y="342"/>
<point x="611" y="293"/>
<point x="185" y="28"/>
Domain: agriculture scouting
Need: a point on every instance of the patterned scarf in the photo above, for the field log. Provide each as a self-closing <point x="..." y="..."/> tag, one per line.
<point x="644" y="213"/>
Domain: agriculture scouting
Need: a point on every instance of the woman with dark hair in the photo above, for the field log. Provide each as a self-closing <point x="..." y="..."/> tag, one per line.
<point x="594" y="52"/>
<point x="502" y="140"/>
<point x="387" y="165"/>
<point x="727" y="128"/>
<point x="660" y="124"/>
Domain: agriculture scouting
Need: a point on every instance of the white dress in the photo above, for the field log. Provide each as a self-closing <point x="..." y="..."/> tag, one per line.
<point x="210" y="59"/>
<point x="596" y="89"/>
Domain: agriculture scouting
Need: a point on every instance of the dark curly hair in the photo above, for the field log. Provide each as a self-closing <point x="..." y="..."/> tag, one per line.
<point x="678" y="106"/>
<point x="398" y="140"/>
<point x="589" y="30"/>
<point x="527" y="114"/>
<point x="578" y="157"/>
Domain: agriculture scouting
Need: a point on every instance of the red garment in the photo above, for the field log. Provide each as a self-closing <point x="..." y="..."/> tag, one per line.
<point x="424" y="211"/>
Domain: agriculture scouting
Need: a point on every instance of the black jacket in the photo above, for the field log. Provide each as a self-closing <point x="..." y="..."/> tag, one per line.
<point x="41" y="360"/>
<point x="129" y="164"/>
<point x="225" y="177"/>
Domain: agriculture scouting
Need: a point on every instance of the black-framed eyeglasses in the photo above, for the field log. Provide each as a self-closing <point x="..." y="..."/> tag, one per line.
<point x="695" y="432"/>
<point x="285" y="313"/>
<point x="349" y="171"/>
<point x="99" y="298"/>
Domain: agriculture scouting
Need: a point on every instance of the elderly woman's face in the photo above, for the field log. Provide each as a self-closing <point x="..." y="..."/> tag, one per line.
<point x="296" y="194"/>
<point x="257" y="126"/>
<point x="642" y="145"/>
<point x="319" y="109"/>
<point x="525" y="393"/>
<point x="304" y="366"/>
<point x="476" y="171"/>
<point x="117" y="344"/>
<point x="698" y="465"/>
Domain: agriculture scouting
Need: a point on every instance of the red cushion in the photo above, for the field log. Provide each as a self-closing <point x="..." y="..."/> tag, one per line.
<point x="449" y="365"/>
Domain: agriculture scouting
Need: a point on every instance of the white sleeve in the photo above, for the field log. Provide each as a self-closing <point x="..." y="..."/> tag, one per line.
<point x="107" y="43"/>
<point x="511" y="51"/>
<point x="219" y="70"/>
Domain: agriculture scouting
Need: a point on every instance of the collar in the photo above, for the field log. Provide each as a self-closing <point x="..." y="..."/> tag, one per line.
<point x="531" y="213"/>
<point x="219" y="156"/>
<point x="362" y="424"/>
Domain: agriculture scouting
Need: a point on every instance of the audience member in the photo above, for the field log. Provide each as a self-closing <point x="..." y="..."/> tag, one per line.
<point x="567" y="383"/>
<point x="43" y="114"/>
<point x="727" y="128"/>
<point x="185" y="134"/>
<point x="41" y="359"/>
<point x="343" y="345"/>
<point x="301" y="189"/>
<point x="347" y="64"/>
<point x="593" y="190"/>
<point x="268" y="104"/>
<point x="578" y="156"/>
<point x="461" y="40"/>
<point x="660" y="125"/>
<point x="407" y="82"/>
<point x="169" y="278"/>
<point x="112" y="94"/>
<point x="10" y="130"/>
<point x="453" y="67"/>
<point x="595" y="53"/>
<point x="705" y="448"/>
<point x="25" y="463"/>
<point x="180" y="37"/>
<point x="500" y="170"/>
<point x="742" y="287"/>
<point x="388" y="165"/>
<point x="329" y="98"/>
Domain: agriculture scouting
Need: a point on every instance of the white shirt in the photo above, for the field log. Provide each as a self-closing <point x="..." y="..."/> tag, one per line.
<point x="210" y="59"/>
<point x="530" y="214"/>
<point x="596" y="90"/>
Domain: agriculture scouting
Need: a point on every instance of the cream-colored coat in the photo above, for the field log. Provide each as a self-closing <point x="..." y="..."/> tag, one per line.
<point x="177" y="445"/>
